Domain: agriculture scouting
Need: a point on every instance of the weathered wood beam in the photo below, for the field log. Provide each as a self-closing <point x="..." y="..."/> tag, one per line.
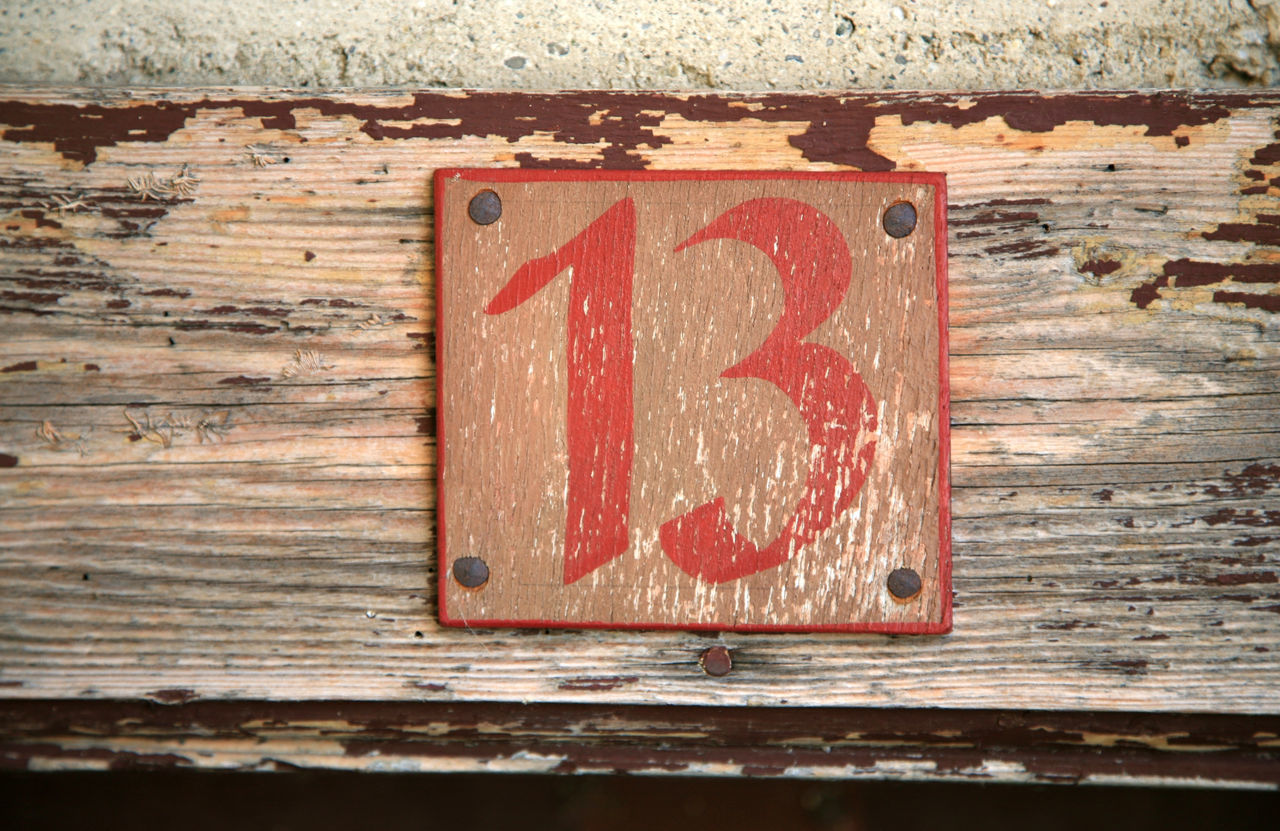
<point x="823" y="743"/>
<point x="216" y="376"/>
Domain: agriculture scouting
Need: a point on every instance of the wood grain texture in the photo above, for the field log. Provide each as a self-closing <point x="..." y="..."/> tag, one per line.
<point x="830" y="498"/>
<point x="216" y="453"/>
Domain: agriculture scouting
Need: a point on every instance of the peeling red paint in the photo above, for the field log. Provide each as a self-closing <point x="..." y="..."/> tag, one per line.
<point x="597" y="683"/>
<point x="1247" y="517"/>
<point x="1049" y="747"/>
<point x="243" y="328"/>
<point x="173" y="696"/>
<point x="1265" y="302"/>
<point x="997" y="218"/>
<point x="1197" y="273"/>
<point x="245" y="380"/>
<point x="838" y="128"/>
<point x="1253" y="480"/>
<point x="262" y="311"/>
<point x="428" y="342"/>
<point x="1099" y="268"/>
<point x="1248" y="577"/>
<point x="77" y="131"/>
<point x="1266" y="231"/>
<point x="1144" y="294"/>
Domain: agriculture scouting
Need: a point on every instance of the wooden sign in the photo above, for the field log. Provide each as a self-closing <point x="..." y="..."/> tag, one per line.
<point x="693" y="400"/>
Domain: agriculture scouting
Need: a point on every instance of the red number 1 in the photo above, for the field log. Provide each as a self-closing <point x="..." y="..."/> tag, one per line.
<point x="813" y="263"/>
<point x="600" y="438"/>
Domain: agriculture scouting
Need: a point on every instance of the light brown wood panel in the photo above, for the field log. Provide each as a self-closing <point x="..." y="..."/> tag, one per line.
<point x="216" y="387"/>
<point x="872" y="363"/>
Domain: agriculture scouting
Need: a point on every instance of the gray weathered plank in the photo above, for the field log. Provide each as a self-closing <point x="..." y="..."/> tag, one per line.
<point x="1115" y="262"/>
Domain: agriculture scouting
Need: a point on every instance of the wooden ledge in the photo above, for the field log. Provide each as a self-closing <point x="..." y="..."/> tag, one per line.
<point x="823" y="743"/>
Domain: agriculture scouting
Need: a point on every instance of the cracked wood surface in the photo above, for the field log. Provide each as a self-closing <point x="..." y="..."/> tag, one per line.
<point x="216" y="389"/>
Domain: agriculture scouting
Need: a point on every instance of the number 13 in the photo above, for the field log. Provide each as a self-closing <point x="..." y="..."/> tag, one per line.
<point x="813" y="262"/>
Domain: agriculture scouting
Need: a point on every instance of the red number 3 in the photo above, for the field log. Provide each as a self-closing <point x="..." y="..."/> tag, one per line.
<point x="813" y="262"/>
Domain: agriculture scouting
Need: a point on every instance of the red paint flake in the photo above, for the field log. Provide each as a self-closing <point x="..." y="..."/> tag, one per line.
<point x="1265" y="302"/>
<point x="173" y="696"/>
<point x="1100" y="268"/>
<point x="25" y="366"/>
<point x="997" y="218"/>
<point x="245" y="380"/>
<point x="1144" y="294"/>
<point x="1198" y="273"/>
<point x="1265" y="232"/>
<point x="597" y="684"/>
<point x="839" y="128"/>
<point x="1244" y="578"/>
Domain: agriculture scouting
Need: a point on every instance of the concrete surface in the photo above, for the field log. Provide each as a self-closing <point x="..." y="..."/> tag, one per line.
<point x="728" y="44"/>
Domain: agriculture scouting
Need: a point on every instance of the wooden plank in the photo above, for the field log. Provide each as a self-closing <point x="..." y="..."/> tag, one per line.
<point x="609" y="457"/>
<point x="1114" y="368"/>
<point x="813" y="743"/>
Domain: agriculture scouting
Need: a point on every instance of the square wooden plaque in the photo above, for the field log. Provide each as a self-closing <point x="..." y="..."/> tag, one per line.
<point x="693" y="400"/>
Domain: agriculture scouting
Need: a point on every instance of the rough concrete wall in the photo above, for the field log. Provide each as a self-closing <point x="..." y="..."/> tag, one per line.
<point x="727" y="44"/>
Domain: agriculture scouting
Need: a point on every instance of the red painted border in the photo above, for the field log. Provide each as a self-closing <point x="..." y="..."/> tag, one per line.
<point x="441" y="346"/>
<point x="944" y="401"/>
<point x="939" y="183"/>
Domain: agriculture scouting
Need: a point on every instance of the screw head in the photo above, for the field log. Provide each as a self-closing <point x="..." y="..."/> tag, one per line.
<point x="485" y="208"/>
<point x="900" y="219"/>
<point x="716" y="661"/>
<point x="904" y="583"/>
<point x="470" y="572"/>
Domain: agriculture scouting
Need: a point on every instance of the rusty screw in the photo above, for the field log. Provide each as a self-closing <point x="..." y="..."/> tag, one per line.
<point x="904" y="583"/>
<point x="485" y="208"/>
<point x="716" y="661"/>
<point x="900" y="219"/>
<point x="470" y="572"/>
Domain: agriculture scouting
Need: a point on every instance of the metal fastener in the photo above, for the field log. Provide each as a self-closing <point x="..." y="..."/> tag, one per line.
<point x="900" y="219"/>
<point x="716" y="661"/>
<point x="470" y="572"/>
<point x="904" y="583"/>
<point x="485" y="208"/>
